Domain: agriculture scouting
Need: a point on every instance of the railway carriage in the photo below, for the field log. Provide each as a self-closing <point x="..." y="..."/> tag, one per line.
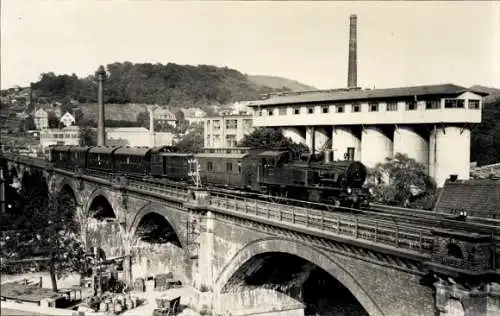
<point x="174" y="165"/>
<point x="61" y="157"/>
<point x="225" y="167"/>
<point x="132" y="160"/>
<point x="78" y="156"/>
<point x="101" y="158"/>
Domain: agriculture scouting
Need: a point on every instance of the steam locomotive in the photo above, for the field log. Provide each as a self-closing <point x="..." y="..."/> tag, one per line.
<point x="312" y="178"/>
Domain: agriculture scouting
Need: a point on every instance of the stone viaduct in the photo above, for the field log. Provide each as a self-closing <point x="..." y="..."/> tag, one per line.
<point x="218" y="244"/>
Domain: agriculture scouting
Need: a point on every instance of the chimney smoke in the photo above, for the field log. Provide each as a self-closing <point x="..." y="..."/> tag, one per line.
<point x="352" y="71"/>
<point x="101" y="74"/>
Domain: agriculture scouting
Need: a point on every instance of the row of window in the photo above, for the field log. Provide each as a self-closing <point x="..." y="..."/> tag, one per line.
<point x="229" y="167"/>
<point x="375" y="107"/>
<point x="230" y="140"/>
<point x="59" y="135"/>
<point x="230" y="124"/>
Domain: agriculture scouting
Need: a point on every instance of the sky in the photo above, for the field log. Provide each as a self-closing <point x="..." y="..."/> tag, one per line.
<point x="399" y="43"/>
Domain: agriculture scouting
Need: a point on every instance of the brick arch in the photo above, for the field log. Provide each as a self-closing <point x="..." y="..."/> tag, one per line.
<point x="299" y="249"/>
<point x="109" y="197"/>
<point x="162" y="210"/>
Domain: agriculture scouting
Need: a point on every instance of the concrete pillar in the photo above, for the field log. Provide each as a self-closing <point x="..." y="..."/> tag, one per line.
<point x="449" y="153"/>
<point x="205" y="261"/>
<point x="310" y="139"/>
<point x="294" y="133"/>
<point x="376" y="146"/>
<point x="321" y="137"/>
<point x="344" y="137"/>
<point x="408" y="140"/>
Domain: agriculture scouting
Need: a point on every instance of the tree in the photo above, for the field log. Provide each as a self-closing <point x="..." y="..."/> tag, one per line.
<point x="47" y="228"/>
<point x="53" y="120"/>
<point x="28" y="124"/>
<point x="88" y="136"/>
<point x="400" y="180"/>
<point x="268" y="138"/>
<point x="192" y="142"/>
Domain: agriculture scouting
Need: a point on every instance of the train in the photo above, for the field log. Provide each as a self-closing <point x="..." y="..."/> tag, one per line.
<point x="310" y="177"/>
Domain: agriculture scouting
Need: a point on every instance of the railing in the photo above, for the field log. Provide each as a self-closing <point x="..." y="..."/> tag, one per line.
<point x="347" y="225"/>
<point x="161" y="188"/>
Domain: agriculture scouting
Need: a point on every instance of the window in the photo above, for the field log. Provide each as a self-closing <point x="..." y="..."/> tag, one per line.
<point x="310" y="110"/>
<point x="432" y="104"/>
<point x="229" y="167"/>
<point x="326" y="109"/>
<point x="474" y="104"/>
<point x="340" y="108"/>
<point x="270" y="112"/>
<point x="208" y="124"/>
<point x="128" y="160"/>
<point x="216" y="124"/>
<point x="231" y="140"/>
<point x="239" y="167"/>
<point x="356" y="107"/>
<point x="411" y="105"/>
<point x="210" y="167"/>
<point x="282" y="111"/>
<point x="373" y="107"/>
<point x="296" y="111"/>
<point x="453" y="103"/>
<point x="247" y="123"/>
<point x="231" y="124"/>
<point x="392" y="106"/>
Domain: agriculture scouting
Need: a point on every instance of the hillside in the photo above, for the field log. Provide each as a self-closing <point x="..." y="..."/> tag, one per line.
<point x="170" y="84"/>
<point x="279" y="83"/>
<point x="493" y="93"/>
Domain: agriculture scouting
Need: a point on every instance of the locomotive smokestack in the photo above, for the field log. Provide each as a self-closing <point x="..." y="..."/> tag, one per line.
<point x="101" y="75"/>
<point x="352" y="72"/>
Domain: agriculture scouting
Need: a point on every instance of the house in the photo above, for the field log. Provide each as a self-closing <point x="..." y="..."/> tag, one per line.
<point x="194" y="115"/>
<point x="67" y="119"/>
<point x="164" y="117"/>
<point x="41" y="119"/>
<point x="67" y="136"/>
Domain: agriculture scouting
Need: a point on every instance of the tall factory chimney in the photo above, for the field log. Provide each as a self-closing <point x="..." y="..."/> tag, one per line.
<point x="352" y="71"/>
<point x="101" y="76"/>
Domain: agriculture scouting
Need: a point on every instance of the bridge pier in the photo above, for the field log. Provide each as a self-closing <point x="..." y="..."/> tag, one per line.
<point x="457" y="300"/>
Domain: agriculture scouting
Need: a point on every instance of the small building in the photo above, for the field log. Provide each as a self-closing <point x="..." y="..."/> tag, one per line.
<point x="67" y="119"/>
<point x="137" y="137"/>
<point x="41" y="119"/>
<point x="165" y="117"/>
<point x="227" y="130"/>
<point x="67" y="136"/>
<point x="194" y="115"/>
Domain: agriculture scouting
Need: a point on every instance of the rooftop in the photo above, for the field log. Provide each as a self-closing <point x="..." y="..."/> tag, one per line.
<point x="472" y="196"/>
<point x="358" y="94"/>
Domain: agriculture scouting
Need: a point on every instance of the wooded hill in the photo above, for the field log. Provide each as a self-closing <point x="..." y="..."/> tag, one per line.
<point x="170" y="84"/>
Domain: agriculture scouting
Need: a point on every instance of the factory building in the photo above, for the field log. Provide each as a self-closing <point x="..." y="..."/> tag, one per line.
<point x="428" y="123"/>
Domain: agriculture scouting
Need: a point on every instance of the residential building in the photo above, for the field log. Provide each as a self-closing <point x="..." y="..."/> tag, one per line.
<point x="194" y="115"/>
<point x="227" y="130"/>
<point x="41" y="119"/>
<point x="165" y="117"/>
<point x="67" y="119"/>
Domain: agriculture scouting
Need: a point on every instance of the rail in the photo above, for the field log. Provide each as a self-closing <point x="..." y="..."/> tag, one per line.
<point x="161" y="188"/>
<point x="348" y="225"/>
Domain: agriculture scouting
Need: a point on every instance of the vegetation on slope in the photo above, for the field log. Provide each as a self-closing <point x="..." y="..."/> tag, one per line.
<point x="171" y="84"/>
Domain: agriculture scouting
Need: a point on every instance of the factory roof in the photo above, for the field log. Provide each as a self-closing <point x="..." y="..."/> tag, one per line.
<point x="473" y="196"/>
<point x="358" y="94"/>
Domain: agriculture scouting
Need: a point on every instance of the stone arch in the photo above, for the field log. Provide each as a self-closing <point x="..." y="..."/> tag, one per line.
<point x="67" y="183"/>
<point x="454" y="307"/>
<point x="301" y="250"/>
<point x="161" y="210"/>
<point x="106" y="194"/>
